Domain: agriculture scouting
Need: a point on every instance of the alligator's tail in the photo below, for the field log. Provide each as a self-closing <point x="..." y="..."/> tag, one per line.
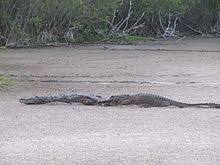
<point x="204" y="105"/>
<point x="199" y="105"/>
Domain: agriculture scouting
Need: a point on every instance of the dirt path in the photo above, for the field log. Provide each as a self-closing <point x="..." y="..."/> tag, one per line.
<point x="188" y="70"/>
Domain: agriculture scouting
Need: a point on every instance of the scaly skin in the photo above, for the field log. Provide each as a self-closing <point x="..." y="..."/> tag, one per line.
<point x="66" y="98"/>
<point x="150" y="100"/>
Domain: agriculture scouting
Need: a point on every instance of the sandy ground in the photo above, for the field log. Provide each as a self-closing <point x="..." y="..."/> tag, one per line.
<point x="188" y="70"/>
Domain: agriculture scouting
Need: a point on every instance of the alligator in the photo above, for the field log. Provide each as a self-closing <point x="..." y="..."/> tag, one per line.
<point x="142" y="100"/>
<point x="65" y="98"/>
<point x="150" y="100"/>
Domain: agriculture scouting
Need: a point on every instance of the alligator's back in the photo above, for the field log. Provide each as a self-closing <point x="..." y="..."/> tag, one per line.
<point x="145" y="100"/>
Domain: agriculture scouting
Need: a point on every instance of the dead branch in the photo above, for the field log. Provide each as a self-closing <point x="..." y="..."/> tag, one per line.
<point x="181" y="39"/>
<point x="170" y="31"/>
<point x="174" y="27"/>
<point x="129" y="12"/>
<point x="197" y="31"/>
<point x="117" y="27"/>
<point x="124" y="21"/>
<point x="135" y="24"/>
<point x="169" y="21"/>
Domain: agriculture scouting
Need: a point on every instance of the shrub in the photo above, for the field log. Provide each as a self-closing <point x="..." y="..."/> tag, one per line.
<point x="31" y="21"/>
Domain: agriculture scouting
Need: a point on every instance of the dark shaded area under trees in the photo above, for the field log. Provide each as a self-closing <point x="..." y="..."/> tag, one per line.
<point x="79" y="21"/>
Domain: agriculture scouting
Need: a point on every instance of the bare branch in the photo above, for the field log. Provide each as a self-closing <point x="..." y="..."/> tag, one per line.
<point x="110" y="23"/>
<point x="169" y="22"/>
<point x="124" y="21"/>
<point x="161" y="23"/>
<point x="181" y="39"/>
<point x="174" y="27"/>
<point x="170" y="31"/>
<point x="197" y="31"/>
<point x="129" y="12"/>
<point x="167" y="31"/>
<point x="3" y="37"/>
<point x="136" y="23"/>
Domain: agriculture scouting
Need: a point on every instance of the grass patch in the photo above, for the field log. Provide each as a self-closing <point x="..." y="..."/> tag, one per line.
<point x="5" y="82"/>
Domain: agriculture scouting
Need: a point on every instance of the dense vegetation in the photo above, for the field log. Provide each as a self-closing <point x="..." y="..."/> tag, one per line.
<point x="43" y="21"/>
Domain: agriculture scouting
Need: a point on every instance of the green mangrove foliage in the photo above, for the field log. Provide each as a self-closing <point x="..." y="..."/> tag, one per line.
<point x="77" y="21"/>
